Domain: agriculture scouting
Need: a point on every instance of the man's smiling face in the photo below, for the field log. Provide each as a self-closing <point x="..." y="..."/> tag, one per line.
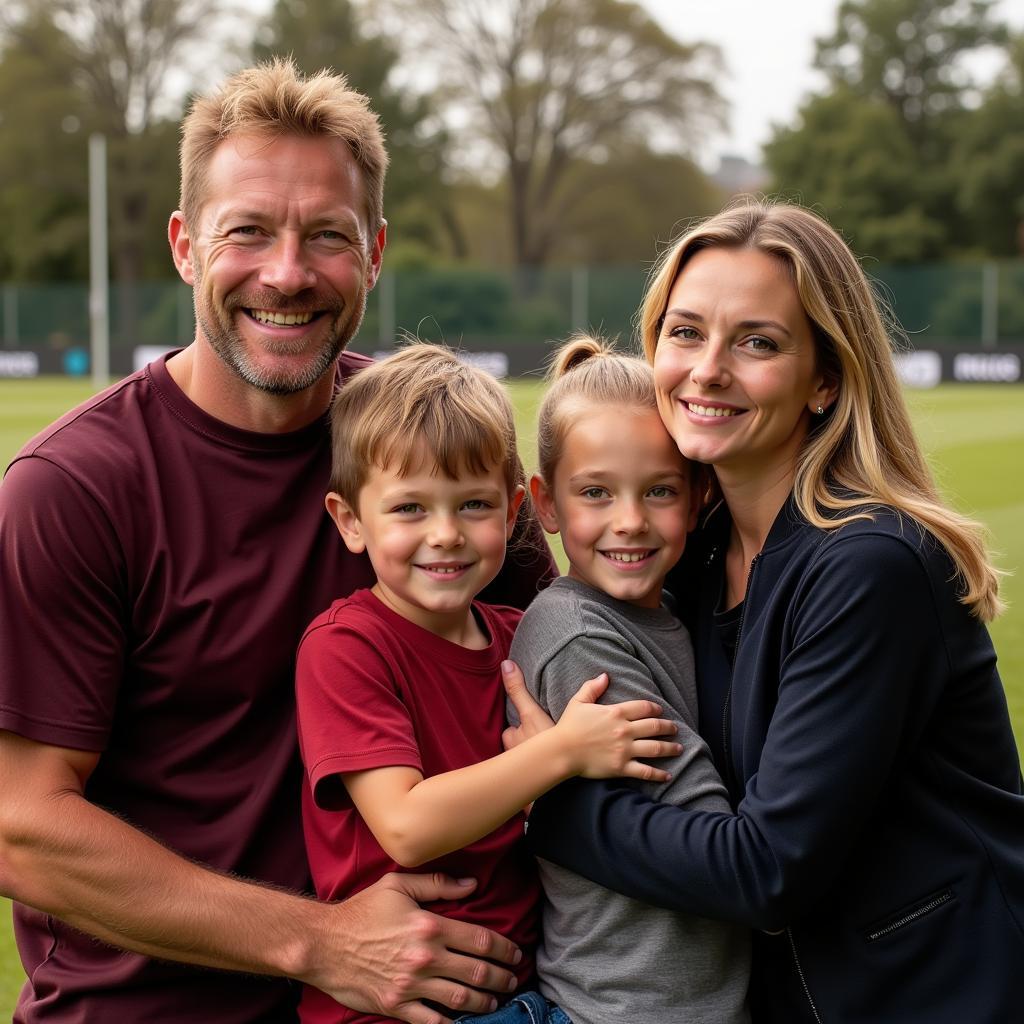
<point x="283" y="258"/>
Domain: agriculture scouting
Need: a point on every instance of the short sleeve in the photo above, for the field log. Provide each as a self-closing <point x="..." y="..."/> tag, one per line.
<point x="351" y="716"/>
<point x="64" y="610"/>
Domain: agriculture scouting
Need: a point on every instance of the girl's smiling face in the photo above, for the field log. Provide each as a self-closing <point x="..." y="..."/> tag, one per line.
<point x="736" y="367"/>
<point x="620" y="499"/>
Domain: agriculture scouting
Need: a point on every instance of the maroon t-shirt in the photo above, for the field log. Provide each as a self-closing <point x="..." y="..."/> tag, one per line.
<point x="159" y="568"/>
<point x="375" y="690"/>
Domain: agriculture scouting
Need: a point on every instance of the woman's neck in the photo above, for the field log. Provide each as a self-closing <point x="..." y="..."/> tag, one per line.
<point x="754" y="506"/>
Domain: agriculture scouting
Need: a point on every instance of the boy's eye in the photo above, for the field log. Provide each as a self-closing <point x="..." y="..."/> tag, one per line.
<point x="476" y="505"/>
<point x="593" y="492"/>
<point x="408" y="509"/>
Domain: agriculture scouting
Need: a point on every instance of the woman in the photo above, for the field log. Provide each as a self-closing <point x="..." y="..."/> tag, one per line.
<point x="848" y="685"/>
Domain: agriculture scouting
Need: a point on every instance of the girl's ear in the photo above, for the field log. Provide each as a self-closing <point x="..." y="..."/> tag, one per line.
<point x="347" y="522"/>
<point x="514" y="502"/>
<point x="544" y="503"/>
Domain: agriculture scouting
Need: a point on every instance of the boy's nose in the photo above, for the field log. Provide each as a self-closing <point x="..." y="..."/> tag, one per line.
<point x="444" y="532"/>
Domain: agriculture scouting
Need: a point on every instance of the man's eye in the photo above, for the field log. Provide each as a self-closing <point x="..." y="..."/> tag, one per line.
<point x="245" y="229"/>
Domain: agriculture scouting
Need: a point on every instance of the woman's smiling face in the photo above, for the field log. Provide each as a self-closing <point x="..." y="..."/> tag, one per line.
<point x="736" y="368"/>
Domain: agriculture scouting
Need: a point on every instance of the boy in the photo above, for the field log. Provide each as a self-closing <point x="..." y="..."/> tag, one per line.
<point x="400" y="705"/>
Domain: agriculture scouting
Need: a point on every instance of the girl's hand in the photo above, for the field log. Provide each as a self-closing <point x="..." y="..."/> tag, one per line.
<point x="605" y="740"/>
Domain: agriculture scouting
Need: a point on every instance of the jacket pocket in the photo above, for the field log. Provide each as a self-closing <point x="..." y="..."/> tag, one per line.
<point x="909" y="914"/>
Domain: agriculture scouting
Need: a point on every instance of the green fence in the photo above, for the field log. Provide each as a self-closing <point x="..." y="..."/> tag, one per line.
<point x="978" y="305"/>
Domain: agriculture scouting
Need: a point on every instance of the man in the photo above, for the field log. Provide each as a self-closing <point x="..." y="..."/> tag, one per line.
<point x="163" y="547"/>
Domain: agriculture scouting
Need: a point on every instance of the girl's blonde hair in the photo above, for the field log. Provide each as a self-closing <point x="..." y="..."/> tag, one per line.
<point x="422" y="398"/>
<point x="587" y="370"/>
<point x="863" y="451"/>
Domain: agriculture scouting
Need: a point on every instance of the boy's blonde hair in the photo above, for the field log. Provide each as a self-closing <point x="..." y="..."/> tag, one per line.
<point x="422" y="397"/>
<point x="275" y="99"/>
<point x="863" y="449"/>
<point x="587" y="370"/>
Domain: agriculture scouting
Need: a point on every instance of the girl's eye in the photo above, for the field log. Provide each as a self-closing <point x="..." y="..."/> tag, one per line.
<point x="661" y="491"/>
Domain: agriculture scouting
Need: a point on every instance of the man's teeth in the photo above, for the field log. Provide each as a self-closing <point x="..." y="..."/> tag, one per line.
<point x="627" y="556"/>
<point x="710" y="410"/>
<point x="265" y="316"/>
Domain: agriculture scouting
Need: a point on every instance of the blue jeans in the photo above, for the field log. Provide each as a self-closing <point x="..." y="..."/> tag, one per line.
<point x="525" y="1008"/>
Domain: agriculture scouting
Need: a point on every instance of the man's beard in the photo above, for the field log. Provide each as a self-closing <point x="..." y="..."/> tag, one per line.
<point x="219" y="330"/>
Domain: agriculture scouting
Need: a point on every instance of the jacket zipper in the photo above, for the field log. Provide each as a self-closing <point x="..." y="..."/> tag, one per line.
<point x="800" y="975"/>
<point x="926" y="908"/>
<point x="727" y="704"/>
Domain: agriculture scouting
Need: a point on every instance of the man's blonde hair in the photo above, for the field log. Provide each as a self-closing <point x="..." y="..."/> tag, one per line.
<point x="421" y="398"/>
<point x="275" y="99"/>
<point x="863" y="450"/>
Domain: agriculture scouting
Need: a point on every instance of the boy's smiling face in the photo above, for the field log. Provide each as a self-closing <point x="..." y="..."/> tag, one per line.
<point x="434" y="543"/>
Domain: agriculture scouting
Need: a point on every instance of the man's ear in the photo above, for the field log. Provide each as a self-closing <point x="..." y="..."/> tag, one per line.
<point x="376" y="255"/>
<point x="543" y="503"/>
<point x="514" y="503"/>
<point x="347" y="521"/>
<point x="181" y="247"/>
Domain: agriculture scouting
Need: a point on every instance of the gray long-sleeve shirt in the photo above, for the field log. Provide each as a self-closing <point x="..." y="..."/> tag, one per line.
<point x="606" y="958"/>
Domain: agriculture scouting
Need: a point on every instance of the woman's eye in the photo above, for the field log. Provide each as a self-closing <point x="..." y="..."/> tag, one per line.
<point x="684" y="333"/>
<point x="761" y="344"/>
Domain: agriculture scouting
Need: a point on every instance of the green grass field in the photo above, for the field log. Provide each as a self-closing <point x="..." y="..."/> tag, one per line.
<point x="974" y="436"/>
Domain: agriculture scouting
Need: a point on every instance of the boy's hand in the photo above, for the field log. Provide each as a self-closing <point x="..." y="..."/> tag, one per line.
<point x="605" y="740"/>
<point x="533" y="719"/>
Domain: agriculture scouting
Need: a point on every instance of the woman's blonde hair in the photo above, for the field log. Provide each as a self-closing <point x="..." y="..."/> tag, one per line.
<point x="864" y="449"/>
<point x="422" y="398"/>
<point x="587" y="370"/>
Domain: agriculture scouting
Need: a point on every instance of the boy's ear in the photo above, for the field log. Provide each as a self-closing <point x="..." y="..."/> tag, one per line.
<point x="543" y="503"/>
<point x="514" y="503"/>
<point x="347" y="522"/>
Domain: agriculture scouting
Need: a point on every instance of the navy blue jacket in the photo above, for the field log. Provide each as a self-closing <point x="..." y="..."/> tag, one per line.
<point x="879" y="816"/>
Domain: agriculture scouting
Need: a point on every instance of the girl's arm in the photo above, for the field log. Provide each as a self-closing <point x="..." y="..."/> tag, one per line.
<point x="417" y="819"/>
<point x="867" y="666"/>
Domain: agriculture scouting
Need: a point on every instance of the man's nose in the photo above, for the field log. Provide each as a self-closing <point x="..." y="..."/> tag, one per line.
<point x="287" y="269"/>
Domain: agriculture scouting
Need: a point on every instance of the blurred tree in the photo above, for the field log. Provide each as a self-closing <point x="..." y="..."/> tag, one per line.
<point x="874" y="151"/>
<point x="43" y="123"/>
<point x="336" y="34"/>
<point x="117" y="60"/>
<point x="988" y="162"/>
<point x="548" y="84"/>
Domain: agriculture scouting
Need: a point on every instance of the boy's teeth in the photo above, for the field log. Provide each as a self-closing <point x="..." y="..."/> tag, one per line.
<point x="708" y="410"/>
<point x="623" y="556"/>
<point x="265" y="316"/>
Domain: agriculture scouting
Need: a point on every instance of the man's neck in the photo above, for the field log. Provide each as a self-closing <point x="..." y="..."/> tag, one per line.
<point x="216" y="389"/>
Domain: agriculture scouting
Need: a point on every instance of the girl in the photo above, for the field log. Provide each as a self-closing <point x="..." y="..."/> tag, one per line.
<point x="615" y="487"/>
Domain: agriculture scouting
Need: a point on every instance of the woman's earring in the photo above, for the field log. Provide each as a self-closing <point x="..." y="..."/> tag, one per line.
<point x="820" y="411"/>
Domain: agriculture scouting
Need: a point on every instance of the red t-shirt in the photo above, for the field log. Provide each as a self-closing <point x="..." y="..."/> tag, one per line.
<point x="375" y="690"/>
<point x="158" y="569"/>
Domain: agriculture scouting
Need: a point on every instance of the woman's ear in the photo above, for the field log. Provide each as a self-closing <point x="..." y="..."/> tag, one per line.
<point x="544" y="503"/>
<point x="347" y="522"/>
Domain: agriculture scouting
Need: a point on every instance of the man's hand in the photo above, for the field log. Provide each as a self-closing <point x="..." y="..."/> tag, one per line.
<point x="397" y="954"/>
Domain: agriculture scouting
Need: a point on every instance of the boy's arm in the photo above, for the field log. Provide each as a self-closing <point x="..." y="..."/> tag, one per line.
<point x="378" y="951"/>
<point x="417" y="819"/>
